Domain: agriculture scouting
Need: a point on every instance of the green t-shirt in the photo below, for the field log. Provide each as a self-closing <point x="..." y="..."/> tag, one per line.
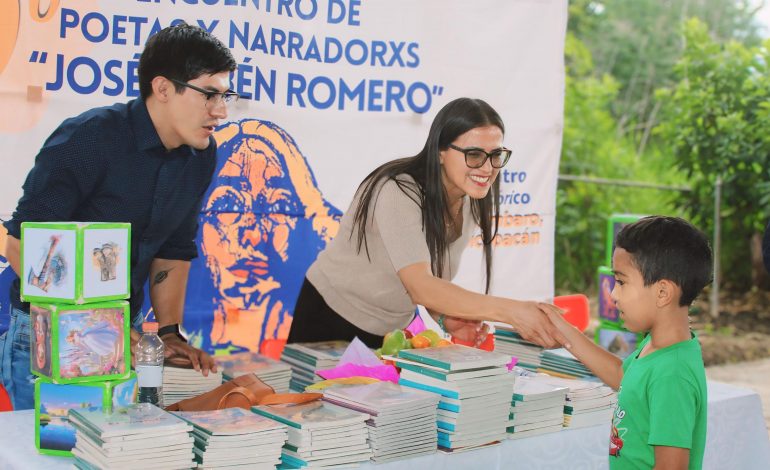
<point x="661" y="402"/>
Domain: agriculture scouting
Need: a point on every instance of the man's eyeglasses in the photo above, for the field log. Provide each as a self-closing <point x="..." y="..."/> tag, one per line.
<point x="213" y="98"/>
<point x="476" y="157"/>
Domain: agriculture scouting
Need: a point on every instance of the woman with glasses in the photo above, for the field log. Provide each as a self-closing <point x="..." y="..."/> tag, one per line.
<point x="400" y="242"/>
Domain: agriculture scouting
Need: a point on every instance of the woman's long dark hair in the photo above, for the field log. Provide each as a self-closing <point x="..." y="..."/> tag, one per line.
<point x="455" y="118"/>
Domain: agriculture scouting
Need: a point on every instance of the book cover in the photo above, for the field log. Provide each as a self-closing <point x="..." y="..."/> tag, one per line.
<point x="455" y="357"/>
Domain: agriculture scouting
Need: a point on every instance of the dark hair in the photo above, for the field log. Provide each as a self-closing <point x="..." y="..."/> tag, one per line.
<point x="669" y="248"/>
<point x="454" y="119"/>
<point x="182" y="52"/>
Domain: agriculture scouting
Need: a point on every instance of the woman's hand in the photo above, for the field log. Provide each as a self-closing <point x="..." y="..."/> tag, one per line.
<point x="531" y="322"/>
<point x="472" y="331"/>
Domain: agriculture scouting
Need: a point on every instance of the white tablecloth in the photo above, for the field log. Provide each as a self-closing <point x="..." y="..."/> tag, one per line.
<point x="737" y="439"/>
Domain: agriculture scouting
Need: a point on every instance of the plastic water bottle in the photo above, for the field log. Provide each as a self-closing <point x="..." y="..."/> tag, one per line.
<point x="149" y="365"/>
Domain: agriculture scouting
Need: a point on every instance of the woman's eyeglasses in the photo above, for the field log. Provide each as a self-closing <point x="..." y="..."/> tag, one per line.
<point x="213" y="98"/>
<point x="476" y="157"/>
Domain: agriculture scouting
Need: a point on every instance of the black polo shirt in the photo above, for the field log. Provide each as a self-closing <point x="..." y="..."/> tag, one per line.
<point x="109" y="165"/>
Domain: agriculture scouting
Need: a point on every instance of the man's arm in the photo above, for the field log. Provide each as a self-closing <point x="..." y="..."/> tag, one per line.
<point x="168" y="284"/>
<point x="605" y="365"/>
<point x="671" y="458"/>
<point x="13" y="253"/>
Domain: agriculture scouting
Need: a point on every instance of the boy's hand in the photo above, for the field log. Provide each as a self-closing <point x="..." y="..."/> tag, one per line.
<point x="555" y="315"/>
<point x="531" y="322"/>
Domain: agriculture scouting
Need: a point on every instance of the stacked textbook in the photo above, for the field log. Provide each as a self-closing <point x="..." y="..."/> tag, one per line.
<point x="475" y="389"/>
<point x="537" y="407"/>
<point x="508" y="342"/>
<point x="180" y="383"/>
<point x="235" y="437"/>
<point x="320" y="434"/>
<point x="561" y="363"/>
<point x="138" y="436"/>
<point x="403" y="420"/>
<point x="587" y="403"/>
<point x="306" y="358"/>
<point x="274" y="373"/>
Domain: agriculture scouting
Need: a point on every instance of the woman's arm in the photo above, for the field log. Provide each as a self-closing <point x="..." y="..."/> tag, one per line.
<point x="443" y="296"/>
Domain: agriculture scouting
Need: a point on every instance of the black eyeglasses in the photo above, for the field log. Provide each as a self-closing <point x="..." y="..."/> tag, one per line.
<point x="213" y="98"/>
<point x="476" y="157"/>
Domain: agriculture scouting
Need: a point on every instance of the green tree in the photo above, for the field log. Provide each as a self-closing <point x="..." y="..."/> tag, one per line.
<point x="717" y="119"/>
<point x="638" y="42"/>
<point x="591" y="147"/>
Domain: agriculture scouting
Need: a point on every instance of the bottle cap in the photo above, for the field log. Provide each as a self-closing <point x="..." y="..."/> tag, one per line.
<point x="150" y="327"/>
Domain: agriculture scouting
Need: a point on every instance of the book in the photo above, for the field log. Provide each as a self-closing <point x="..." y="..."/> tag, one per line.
<point x="313" y="415"/>
<point x="455" y="357"/>
<point x="137" y="419"/>
<point x="443" y="374"/>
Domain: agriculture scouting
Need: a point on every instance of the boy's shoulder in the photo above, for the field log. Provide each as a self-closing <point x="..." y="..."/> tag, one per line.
<point x="680" y="361"/>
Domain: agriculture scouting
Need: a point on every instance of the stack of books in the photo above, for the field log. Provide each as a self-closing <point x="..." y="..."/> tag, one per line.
<point x="475" y="389"/>
<point x="274" y="373"/>
<point x="138" y="436"/>
<point x="508" y="342"/>
<point x="180" y="383"/>
<point x="537" y="407"/>
<point x="561" y="363"/>
<point x="306" y="358"/>
<point x="235" y="437"/>
<point x="587" y="403"/>
<point x="321" y="434"/>
<point x="403" y="420"/>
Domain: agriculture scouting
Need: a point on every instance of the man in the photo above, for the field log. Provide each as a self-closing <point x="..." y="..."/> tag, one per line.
<point x="147" y="162"/>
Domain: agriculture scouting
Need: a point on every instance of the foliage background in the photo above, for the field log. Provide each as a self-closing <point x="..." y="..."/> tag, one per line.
<point x="668" y="93"/>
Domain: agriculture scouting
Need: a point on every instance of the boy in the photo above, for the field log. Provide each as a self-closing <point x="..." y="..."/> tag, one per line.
<point x="661" y="264"/>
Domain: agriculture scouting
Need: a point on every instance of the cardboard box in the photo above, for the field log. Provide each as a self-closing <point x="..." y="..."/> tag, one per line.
<point x="54" y="435"/>
<point x="80" y="343"/>
<point x="75" y="262"/>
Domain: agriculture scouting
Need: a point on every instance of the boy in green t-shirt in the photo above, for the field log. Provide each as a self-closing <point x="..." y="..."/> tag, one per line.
<point x="661" y="264"/>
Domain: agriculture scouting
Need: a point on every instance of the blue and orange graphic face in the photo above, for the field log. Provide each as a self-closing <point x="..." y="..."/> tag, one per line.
<point x="264" y="220"/>
<point x="248" y="221"/>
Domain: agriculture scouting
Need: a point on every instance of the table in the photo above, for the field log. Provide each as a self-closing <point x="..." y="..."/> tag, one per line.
<point x="737" y="438"/>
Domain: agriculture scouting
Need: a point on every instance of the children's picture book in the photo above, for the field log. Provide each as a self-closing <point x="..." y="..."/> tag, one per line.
<point x="532" y="388"/>
<point x="314" y="415"/>
<point x="443" y="374"/>
<point x="230" y="421"/>
<point x="455" y="357"/>
<point x="383" y="396"/>
<point x="141" y="418"/>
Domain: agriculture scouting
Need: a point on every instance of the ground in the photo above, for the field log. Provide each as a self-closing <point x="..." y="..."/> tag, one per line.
<point x="741" y="332"/>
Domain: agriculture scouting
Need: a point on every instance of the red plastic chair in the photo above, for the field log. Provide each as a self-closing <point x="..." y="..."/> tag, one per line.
<point x="576" y="309"/>
<point x="5" y="400"/>
<point x="272" y="348"/>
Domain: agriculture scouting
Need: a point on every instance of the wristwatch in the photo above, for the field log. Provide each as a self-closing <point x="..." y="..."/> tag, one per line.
<point x="169" y="329"/>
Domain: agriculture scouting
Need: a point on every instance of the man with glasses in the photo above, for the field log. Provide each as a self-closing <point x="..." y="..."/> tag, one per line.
<point x="147" y="162"/>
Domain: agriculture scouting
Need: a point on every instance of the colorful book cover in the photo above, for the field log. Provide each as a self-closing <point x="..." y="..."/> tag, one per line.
<point x="455" y="357"/>
<point x="229" y="421"/>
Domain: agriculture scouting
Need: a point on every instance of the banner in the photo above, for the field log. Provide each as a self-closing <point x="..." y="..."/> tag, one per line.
<point x="330" y="89"/>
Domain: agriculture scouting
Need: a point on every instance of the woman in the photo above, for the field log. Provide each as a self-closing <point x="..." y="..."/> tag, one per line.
<point x="400" y="242"/>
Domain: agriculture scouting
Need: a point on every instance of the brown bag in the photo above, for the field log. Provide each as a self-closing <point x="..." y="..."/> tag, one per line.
<point x="241" y="392"/>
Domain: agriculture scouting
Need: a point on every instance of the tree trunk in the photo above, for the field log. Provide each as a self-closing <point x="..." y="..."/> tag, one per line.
<point x="759" y="276"/>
